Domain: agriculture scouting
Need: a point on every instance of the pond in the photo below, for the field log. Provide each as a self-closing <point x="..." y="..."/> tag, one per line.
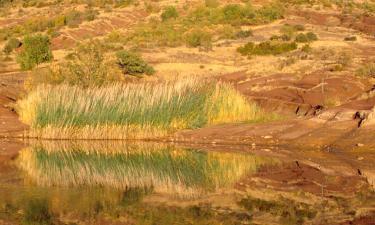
<point x="158" y="183"/>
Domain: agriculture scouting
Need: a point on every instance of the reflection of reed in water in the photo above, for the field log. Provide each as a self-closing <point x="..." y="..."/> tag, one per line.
<point x="165" y="168"/>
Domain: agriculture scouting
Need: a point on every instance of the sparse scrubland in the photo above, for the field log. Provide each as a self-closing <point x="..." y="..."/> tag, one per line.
<point x="201" y="25"/>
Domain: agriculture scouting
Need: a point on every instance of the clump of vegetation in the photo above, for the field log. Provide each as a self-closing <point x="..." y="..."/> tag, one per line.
<point x="133" y="64"/>
<point x="169" y="12"/>
<point x="51" y="25"/>
<point x="350" y="38"/>
<point x="344" y="59"/>
<point x="11" y="44"/>
<point x="199" y="38"/>
<point x="136" y="110"/>
<point x="288" y="211"/>
<point x="267" y="48"/>
<point x="367" y="70"/>
<point x="87" y="66"/>
<point x="173" y="32"/>
<point x="306" y="37"/>
<point x="36" y="50"/>
<point x="37" y="212"/>
<point x="243" y="34"/>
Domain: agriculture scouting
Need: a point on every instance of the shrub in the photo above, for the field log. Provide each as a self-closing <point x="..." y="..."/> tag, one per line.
<point x="299" y="27"/>
<point x="36" y="50"/>
<point x="267" y="48"/>
<point x="311" y="36"/>
<point x="132" y="64"/>
<point x="283" y="37"/>
<point x="12" y="44"/>
<point x="271" y="12"/>
<point x="306" y="48"/>
<point x="367" y="70"/>
<point x="169" y="12"/>
<point x="301" y="38"/>
<point x="244" y="34"/>
<point x="88" y="66"/>
<point x="199" y="38"/>
<point x="308" y="37"/>
<point x="350" y="38"/>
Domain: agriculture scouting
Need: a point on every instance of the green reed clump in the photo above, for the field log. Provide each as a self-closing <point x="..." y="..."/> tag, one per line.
<point x="133" y="110"/>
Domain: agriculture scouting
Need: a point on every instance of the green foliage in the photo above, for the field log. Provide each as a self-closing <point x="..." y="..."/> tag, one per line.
<point x="244" y="34"/>
<point x="267" y="48"/>
<point x="169" y="12"/>
<point x="308" y="37"/>
<point x="36" y="50"/>
<point x="12" y="44"/>
<point x="199" y="38"/>
<point x="133" y="64"/>
<point x="87" y="66"/>
<point x="37" y="213"/>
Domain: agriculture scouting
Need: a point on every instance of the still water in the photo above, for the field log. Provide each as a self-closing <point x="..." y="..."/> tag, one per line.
<point x="150" y="183"/>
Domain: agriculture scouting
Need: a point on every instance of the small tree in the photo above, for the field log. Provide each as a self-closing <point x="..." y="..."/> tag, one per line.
<point x="36" y="50"/>
<point x="132" y="64"/>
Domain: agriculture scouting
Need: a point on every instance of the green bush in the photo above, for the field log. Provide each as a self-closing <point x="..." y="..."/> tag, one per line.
<point x="169" y="12"/>
<point x="267" y="48"/>
<point x="132" y="64"/>
<point x="311" y="36"/>
<point x="87" y="66"/>
<point x="199" y="38"/>
<point x="302" y="38"/>
<point x="12" y="44"/>
<point x="283" y="37"/>
<point x="244" y="34"/>
<point x="36" y="50"/>
<point x="308" y="37"/>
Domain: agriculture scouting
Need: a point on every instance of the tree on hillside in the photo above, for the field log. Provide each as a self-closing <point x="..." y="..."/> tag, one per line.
<point x="35" y="50"/>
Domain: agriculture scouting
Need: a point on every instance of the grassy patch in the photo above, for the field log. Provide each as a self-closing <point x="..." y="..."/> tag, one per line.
<point x="267" y="48"/>
<point x="134" y="110"/>
<point x="367" y="70"/>
<point x="288" y="211"/>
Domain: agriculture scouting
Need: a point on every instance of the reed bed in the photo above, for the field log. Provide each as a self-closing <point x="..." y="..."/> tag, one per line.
<point x="133" y="111"/>
<point x="164" y="168"/>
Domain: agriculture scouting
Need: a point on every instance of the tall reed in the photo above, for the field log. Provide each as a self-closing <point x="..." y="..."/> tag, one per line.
<point x="131" y="111"/>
